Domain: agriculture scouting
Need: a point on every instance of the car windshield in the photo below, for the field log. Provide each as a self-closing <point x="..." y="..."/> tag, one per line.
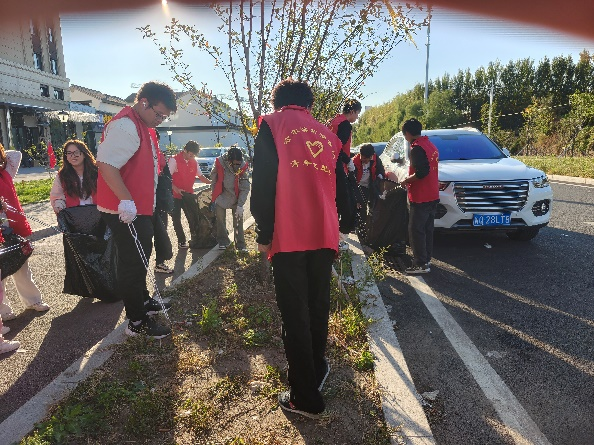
<point x="454" y="147"/>
<point x="209" y="152"/>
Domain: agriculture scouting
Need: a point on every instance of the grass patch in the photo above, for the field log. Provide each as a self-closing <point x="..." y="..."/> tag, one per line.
<point x="33" y="191"/>
<point x="582" y="167"/>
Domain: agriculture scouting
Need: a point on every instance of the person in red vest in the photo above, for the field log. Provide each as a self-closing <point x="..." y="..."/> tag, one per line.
<point x="76" y="182"/>
<point x="294" y="204"/>
<point x="184" y="171"/>
<point x="230" y="188"/>
<point x="368" y="168"/>
<point x="423" y="195"/>
<point x="348" y="198"/>
<point x="28" y="292"/>
<point x="128" y="170"/>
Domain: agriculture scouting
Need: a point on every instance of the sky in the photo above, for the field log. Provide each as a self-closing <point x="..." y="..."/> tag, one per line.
<point x="105" y="51"/>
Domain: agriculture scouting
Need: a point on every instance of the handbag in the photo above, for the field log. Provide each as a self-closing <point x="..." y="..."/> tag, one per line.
<point x="13" y="252"/>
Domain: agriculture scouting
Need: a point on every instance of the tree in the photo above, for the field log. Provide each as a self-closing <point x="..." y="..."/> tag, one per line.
<point x="335" y="45"/>
<point x="440" y="111"/>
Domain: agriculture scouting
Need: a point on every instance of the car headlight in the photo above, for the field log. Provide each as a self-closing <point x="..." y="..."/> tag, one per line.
<point x="541" y="182"/>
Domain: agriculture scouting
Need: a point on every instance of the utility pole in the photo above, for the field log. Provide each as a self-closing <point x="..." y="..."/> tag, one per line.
<point x="490" y="109"/>
<point x="427" y="63"/>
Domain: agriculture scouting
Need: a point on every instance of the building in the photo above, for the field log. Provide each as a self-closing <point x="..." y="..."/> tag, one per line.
<point x="32" y="80"/>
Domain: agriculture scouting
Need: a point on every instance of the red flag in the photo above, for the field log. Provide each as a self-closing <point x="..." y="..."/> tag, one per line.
<point x="51" y="155"/>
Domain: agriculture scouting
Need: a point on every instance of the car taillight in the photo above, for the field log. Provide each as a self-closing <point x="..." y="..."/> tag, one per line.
<point x="443" y="186"/>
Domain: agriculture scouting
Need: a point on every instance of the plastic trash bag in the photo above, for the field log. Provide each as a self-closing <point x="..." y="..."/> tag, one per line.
<point x="201" y="219"/>
<point x="89" y="254"/>
<point x="387" y="225"/>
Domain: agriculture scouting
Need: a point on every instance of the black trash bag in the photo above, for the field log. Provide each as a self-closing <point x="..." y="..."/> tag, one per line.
<point x="163" y="194"/>
<point x="89" y="254"/>
<point x="387" y="226"/>
<point x="201" y="219"/>
<point x="13" y="252"/>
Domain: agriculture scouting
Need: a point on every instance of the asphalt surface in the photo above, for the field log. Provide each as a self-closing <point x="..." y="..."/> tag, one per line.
<point x="529" y="309"/>
<point x="53" y="340"/>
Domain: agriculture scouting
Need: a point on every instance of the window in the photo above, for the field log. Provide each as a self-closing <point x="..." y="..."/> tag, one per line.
<point x="50" y="34"/>
<point x="58" y="94"/>
<point x="54" y="66"/>
<point x="37" y="61"/>
<point x="44" y="90"/>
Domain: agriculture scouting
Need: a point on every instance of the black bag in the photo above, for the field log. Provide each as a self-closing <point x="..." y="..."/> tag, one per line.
<point x="13" y="252"/>
<point x="164" y="195"/>
<point x="89" y="254"/>
<point x="201" y="219"/>
<point x="388" y="224"/>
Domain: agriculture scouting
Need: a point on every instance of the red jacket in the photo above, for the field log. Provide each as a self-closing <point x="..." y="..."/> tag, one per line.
<point x="19" y="223"/>
<point x="138" y="173"/>
<point x="185" y="176"/>
<point x="305" y="203"/>
<point x="73" y="201"/>
<point x="359" y="167"/>
<point x="427" y="188"/>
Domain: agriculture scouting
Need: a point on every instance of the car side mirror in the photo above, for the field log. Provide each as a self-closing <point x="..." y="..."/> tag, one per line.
<point x="396" y="158"/>
<point x="506" y="152"/>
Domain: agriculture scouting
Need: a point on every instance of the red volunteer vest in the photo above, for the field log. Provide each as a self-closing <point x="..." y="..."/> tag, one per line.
<point x="138" y="173"/>
<point x="185" y="176"/>
<point x="305" y="205"/>
<point x="218" y="188"/>
<point x="359" y="166"/>
<point x="426" y="189"/>
<point x="73" y="201"/>
<point x="19" y="223"/>
<point x="333" y="125"/>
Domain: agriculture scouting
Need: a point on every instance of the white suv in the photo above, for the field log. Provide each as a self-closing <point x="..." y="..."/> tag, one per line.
<point x="480" y="186"/>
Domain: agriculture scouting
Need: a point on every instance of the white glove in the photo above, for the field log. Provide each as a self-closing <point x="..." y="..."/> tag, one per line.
<point x="380" y="176"/>
<point x="383" y="195"/>
<point x="59" y="205"/>
<point x="127" y="211"/>
<point x="351" y="166"/>
<point x="239" y="211"/>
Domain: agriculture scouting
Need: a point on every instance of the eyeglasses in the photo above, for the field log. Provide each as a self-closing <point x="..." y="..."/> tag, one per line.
<point x="160" y="116"/>
<point x="75" y="153"/>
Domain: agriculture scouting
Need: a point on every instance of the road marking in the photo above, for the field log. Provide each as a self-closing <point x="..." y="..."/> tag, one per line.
<point x="517" y="421"/>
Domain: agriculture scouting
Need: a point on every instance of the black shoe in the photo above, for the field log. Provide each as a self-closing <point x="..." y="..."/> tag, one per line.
<point x="327" y="365"/>
<point x="284" y="400"/>
<point x="153" y="307"/>
<point x="148" y="327"/>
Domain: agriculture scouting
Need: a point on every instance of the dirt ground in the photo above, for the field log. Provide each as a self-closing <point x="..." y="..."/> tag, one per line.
<point x="215" y="381"/>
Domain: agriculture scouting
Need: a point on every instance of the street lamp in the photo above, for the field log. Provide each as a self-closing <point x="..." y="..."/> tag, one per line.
<point x="64" y="116"/>
<point x="169" y="133"/>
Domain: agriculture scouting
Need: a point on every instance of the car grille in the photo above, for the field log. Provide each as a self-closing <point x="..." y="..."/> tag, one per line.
<point x="491" y="196"/>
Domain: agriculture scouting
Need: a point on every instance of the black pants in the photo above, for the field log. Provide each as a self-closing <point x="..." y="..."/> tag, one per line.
<point x="163" y="248"/>
<point x="130" y="269"/>
<point x="302" y="285"/>
<point x="420" y="230"/>
<point x="176" y="218"/>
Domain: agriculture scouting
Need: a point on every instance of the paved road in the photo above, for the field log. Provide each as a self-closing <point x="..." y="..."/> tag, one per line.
<point x="528" y="308"/>
<point x="52" y="341"/>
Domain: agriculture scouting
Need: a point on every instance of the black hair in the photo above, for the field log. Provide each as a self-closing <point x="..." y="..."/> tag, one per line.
<point x="192" y="147"/>
<point x="412" y="126"/>
<point x="234" y="154"/>
<point x="351" y="105"/>
<point x="157" y="92"/>
<point x="292" y="92"/>
<point x="367" y="150"/>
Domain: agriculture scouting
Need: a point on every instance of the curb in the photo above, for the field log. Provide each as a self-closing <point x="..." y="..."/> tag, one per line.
<point x="571" y="179"/>
<point x="400" y="400"/>
<point x="23" y="420"/>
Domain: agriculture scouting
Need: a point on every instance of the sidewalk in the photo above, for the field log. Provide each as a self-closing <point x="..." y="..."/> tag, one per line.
<point x="34" y="173"/>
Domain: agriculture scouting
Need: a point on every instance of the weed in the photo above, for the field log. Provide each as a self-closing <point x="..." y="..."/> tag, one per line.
<point x="226" y="389"/>
<point x="231" y="291"/>
<point x="259" y="315"/>
<point x="350" y="325"/>
<point x="210" y="320"/>
<point x="377" y="270"/>
<point x="197" y="415"/>
<point x="255" y="337"/>
<point x="150" y="411"/>
<point x="65" y="422"/>
<point x="364" y="361"/>
<point x="273" y="382"/>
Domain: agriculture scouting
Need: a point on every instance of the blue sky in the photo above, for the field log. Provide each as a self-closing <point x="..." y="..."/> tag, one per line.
<point x="106" y="52"/>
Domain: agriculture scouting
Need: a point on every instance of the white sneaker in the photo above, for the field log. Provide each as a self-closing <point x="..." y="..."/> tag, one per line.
<point x="10" y="316"/>
<point x="39" y="307"/>
<point x="4" y="330"/>
<point x="9" y="345"/>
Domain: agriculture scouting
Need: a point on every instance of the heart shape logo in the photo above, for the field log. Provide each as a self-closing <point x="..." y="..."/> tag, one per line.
<point x="315" y="144"/>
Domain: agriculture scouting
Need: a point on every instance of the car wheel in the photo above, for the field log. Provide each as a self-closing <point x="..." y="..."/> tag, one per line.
<point x="523" y="234"/>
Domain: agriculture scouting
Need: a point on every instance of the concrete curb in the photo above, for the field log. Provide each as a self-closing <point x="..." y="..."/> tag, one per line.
<point x="22" y="421"/>
<point x="400" y="401"/>
<point x="571" y="179"/>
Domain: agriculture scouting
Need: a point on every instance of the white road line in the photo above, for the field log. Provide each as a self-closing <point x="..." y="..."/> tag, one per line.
<point x="512" y="414"/>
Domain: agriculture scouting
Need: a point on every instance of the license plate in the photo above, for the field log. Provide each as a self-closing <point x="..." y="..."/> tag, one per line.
<point x="501" y="219"/>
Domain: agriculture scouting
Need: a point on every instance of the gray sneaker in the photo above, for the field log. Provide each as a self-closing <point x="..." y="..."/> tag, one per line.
<point x="418" y="270"/>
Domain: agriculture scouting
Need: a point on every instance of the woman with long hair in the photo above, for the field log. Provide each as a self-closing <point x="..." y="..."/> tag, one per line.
<point x="76" y="182"/>
<point x="15" y="221"/>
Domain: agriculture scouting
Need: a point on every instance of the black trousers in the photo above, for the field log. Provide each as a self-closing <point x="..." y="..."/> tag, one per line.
<point x="302" y="285"/>
<point x="176" y="218"/>
<point x="163" y="247"/>
<point x="420" y="230"/>
<point x="130" y="269"/>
